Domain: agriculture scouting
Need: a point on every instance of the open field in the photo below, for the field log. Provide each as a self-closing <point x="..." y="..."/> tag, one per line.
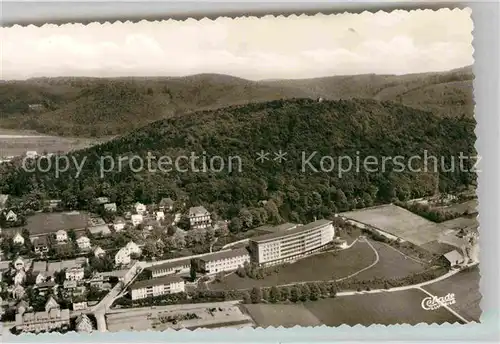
<point x="391" y="265"/>
<point x="323" y="266"/>
<point x="399" y="222"/>
<point x="465" y="286"/>
<point x="470" y="207"/>
<point x="461" y="222"/>
<point x="13" y="142"/>
<point x="402" y="307"/>
<point x="265" y="315"/>
<point x="45" y="223"/>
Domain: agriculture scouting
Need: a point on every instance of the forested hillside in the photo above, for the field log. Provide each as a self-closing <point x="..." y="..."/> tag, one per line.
<point x="103" y="107"/>
<point x="297" y="126"/>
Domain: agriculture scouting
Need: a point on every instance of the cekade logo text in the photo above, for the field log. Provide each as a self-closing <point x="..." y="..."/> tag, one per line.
<point x="431" y="303"/>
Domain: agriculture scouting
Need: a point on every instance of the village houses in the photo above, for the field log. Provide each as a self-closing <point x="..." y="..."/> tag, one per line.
<point x="61" y="236"/>
<point x="20" y="277"/>
<point x="83" y="324"/>
<point x="137" y="219"/>
<point x="83" y="243"/>
<point x="11" y="216"/>
<point x="122" y="257"/>
<point x="18" y="239"/>
<point x="140" y="208"/>
<point x="110" y="207"/>
<point x="99" y="252"/>
<point x="75" y="273"/>
<point x="118" y="224"/>
<point x="160" y="216"/>
<point x="19" y="264"/>
<point x="199" y="218"/>
<point x="40" y="245"/>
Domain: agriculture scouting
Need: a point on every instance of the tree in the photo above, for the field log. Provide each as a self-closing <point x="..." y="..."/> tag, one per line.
<point x="295" y="294"/>
<point x="246" y="218"/>
<point x="256" y="295"/>
<point x="192" y="273"/>
<point x="305" y="292"/>
<point x="246" y="297"/>
<point x="274" y="294"/>
<point x="285" y="294"/>
<point x="235" y="225"/>
<point x="314" y="291"/>
<point x="265" y="294"/>
<point x="241" y="271"/>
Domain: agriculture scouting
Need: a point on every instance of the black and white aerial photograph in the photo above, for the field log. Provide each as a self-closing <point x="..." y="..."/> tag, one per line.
<point x="258" y="172"/>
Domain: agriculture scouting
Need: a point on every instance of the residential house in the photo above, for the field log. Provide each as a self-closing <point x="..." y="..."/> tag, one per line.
<point x="19" y="264"/>
<point x="102" y="200"/>
<point x="41" y="245"/>
<point x="52" y="318"/>
<point x="61" y="236"/>
<point x="79" y="306"/>
<point x="140" y="208"/>
<point x="122" y="257"/>
<point x="53" y="204"/>
<point x="110" y="207"/>
<point x="177" y="218"/>
<point x="136" y="219"/>
<point x="160" y="216"/>
<point x="18" y="292"/>
<point x="199" y="218"/>
<point x="132" y="247"/>
<point x="70" y="285"/>
<point x="454" y="258"/>
<point x="31" y="154"/>
<point x="41" y="277"/>
<point x="75" y="274"/>
<point x="118" y="224"/>
<point x="83" y="242"/>
<point x="83" y="324"/>
<point x="222" y="261"/>
<point x="166" y="204"/>
<point x="11" y="216"/>
<point x="99" y="252"/>
<point x="20" y="277"/>
<point x="156" y="287"/>
<point x="18" y="239"/>
<point x="46" y="287"/>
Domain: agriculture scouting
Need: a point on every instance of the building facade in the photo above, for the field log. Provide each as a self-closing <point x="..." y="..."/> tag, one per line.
<point x="52" y="318"/>
<point x="289" y="244"/>
<point x="199" y="218"/>
<point x="169" y="268"/>
<point x="222" y="261"/>
<point x="156" y="287"/>
<point x="75" y="274"/>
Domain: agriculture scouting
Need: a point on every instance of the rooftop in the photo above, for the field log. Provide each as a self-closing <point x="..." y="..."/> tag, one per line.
<point x="156" y="281"/>
<point x="454" y="257"/>
<point x="225" y="254"/>
<point x="199" y="210"/>
<point x="169" y="265"/>
<point x="290" y="229"/>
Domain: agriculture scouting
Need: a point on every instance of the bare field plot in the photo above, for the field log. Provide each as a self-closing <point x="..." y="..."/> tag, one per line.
<point x="470" y="207"/>
<point x="461" y="222"/>
<point x="465" y="286"/>
<point x="388" y="308"/>
<point x="44" y="223"/>
<point x="18" y="142"/>
<point x="399" y="222"/>
<point x="391" y="265"/>
<point x="323" y="266"/>
<point x="265" y="315"/>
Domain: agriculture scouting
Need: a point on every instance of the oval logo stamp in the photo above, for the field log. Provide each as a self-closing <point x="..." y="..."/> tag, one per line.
<point x="431" y="303"/>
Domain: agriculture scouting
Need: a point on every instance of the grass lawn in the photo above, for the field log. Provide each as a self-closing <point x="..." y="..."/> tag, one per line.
<point x="392" y="264"/>
<point x="389" y="308"/>
<point x="265" y="315"/>
<point x="465" y="286"/>
<point x="323" y="266"/>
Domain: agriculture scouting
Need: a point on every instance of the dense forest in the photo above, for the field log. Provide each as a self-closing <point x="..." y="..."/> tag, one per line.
<point x="94" y="107"/>
<point x="264" y="192"/>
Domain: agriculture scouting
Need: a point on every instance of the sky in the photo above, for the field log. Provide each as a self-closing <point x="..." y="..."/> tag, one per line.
<point x="292" y="47"/>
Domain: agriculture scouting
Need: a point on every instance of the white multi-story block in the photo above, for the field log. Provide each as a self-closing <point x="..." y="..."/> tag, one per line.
<point x="223" y="261"/>
<point x="61" y="236"/>
<point x="290" y="242"/>
<point x="199" y="217"/>
<point x="156" y="287"/>
<point x="177" y="266"/>
<point x="75" y="274"/>
<point x="83" y="243"/>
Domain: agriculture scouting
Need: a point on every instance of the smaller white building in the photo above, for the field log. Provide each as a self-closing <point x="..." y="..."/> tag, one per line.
<point x="122" y="257"/>
<point x="75" y="273"/>
<point x="199" y="218"/>
<point x="20" y="277"/>
<point x="19" y="264"/>
<point x="99" y="252"/>
<point x="160" y="216"/>
<point x="83" y="324"/>
<point x="110" y="207"/>
<point x="140" y="208"/>
<point x="11" y="216"/>
<point x="18" y="239"/>
<point x="79" y="306"/>
<point x="156" y="287"/>
<point x="223" y="261"/>
<point x="132" y="247"/>
<point x="136" y="219"/>
<point x="40" y="278"/>
<point x="83" y="243"/>
<point x="61" y="236"/>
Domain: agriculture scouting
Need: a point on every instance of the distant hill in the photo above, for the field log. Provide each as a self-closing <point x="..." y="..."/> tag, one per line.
<point x="104" y="107"/>
<point x="299" y="126"/>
